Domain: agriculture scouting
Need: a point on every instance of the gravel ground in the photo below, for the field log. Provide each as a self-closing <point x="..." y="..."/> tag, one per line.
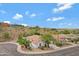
<point x="10" y="50"/>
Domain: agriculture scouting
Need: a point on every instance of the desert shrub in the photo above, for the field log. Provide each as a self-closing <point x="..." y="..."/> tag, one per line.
<point x="46" y="38"/>
<point x="1" y="29"/>
<point x="6" y="35"/>
<point x="65" y="32"/>
<point x="31" y="32"/>
<point x="25" y="34"/>
<point x="58" y="43"/>
<point x="25" y="42"/>
<point x="76" y="40"/>
<point x="20" y="35"/>
<point x="21" y="41"/>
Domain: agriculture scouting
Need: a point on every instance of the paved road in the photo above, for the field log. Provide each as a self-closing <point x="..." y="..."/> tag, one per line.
<point x="10" y="50"/>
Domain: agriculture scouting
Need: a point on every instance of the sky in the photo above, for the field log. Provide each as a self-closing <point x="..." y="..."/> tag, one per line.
<point x="48" y="15"/>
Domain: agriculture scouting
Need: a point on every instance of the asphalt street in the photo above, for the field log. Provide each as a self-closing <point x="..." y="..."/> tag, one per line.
<point x="11" y="50"/>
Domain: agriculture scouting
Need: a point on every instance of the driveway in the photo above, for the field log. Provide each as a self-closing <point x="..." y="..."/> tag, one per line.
<point x="11" y="50"/>
<point x="8" y="50"/>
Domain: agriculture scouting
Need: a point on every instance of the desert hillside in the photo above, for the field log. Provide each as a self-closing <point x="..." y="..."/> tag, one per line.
<point x="10" y="32"/>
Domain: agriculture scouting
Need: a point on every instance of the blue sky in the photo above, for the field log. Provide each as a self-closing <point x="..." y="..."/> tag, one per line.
<point x="49" y="15"/>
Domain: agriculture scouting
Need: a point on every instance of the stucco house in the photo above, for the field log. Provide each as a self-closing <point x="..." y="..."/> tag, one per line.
<point x="35" y="41"/>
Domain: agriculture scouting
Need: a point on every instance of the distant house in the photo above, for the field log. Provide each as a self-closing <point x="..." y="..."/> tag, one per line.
<point x="60" y="37"/>
<point x="4" y="24"/>
<point x="67" y="37"/>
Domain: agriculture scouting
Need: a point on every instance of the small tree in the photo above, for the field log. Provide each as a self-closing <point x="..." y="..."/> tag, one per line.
<point x="25" y="42"/>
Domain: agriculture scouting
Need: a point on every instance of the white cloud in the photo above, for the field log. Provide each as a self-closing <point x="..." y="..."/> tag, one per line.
<point x="55" y="18"/>
<point x="18" y="16"/>
<point x="65" y="24"/>
<point x="70" y="24"/>
<point x="33" y="15"/>
<point x="6" y="22"/>
<point x="63" y="6"/>
<point x="24" y="25"/>
<point x="3" y="11"/>
<point x="48" y="19"/>
<point x="27" y="13"/>
<point x="59" y="4"/>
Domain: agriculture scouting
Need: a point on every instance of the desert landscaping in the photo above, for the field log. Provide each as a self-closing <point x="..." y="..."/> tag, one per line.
<point x="36" y="39"/>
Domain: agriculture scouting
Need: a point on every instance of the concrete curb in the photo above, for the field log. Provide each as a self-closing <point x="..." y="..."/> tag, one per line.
<point x="43" y="52"/>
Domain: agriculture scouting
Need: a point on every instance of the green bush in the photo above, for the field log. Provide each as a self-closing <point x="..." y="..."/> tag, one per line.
<point x="58" y="43"/>
<point x="25" y="42"/>
<point x="21" y="41"/>
<point x="46" y="38"/>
